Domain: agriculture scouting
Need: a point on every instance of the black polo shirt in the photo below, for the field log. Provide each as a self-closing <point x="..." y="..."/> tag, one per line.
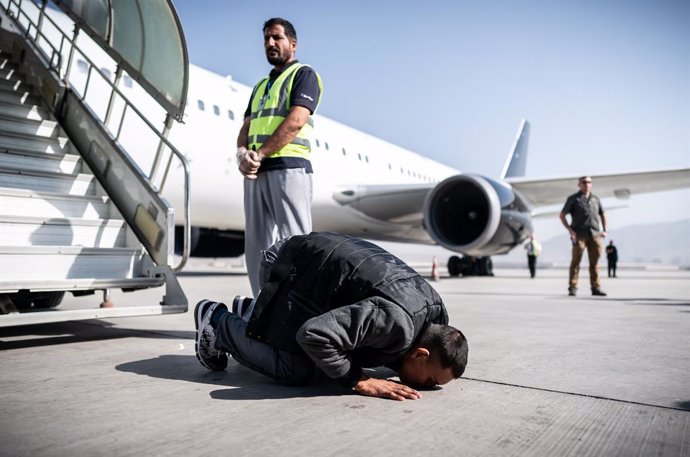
<point x="305" y="92"/>
<point x="585" y="213"/>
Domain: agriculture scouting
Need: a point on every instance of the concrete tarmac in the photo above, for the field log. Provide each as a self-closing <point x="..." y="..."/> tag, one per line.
<point x="548" y="375"/>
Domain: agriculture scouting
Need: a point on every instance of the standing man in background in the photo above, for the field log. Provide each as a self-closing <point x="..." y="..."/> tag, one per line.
<point x="533" y="248"/>
<point x="585" y="232"/>
<point x="612" y="258"/>
<point x="273" y="148"/>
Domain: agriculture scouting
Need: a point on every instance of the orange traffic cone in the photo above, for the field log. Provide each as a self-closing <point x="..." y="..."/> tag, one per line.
<point x="434" y="270"/>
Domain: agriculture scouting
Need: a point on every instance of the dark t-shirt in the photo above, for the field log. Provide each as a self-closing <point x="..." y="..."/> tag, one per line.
<point x="585" y="213"/>
<point x="305" y="92"/>
<point x="611" y="253"/>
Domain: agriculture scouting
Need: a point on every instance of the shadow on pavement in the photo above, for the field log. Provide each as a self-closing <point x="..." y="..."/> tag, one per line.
<point x="683" y="404"/>
<point x="656" y="301"/>
<point x="242" y="383"/>
<point x="28" y="336"/>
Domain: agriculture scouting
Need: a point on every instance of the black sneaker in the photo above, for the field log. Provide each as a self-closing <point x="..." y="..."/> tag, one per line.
<point x="205" y="347"/>
<point x="241" y="305"/>
<point x="598" y="292"/>
<point x="572" y="291"/>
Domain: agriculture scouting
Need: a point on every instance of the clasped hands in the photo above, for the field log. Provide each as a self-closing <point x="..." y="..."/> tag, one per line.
<point x="248" y="162"/>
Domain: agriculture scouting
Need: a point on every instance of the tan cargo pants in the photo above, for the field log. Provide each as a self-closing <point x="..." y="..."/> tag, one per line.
<point x="594" y="247"/>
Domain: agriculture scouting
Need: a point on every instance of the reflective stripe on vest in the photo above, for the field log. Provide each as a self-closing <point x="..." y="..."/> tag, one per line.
<point x="267" y="113"/>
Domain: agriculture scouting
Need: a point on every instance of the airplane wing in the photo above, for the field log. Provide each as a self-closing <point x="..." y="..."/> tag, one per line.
<point x="551" y="191"/>
<point x="390" y="203"/>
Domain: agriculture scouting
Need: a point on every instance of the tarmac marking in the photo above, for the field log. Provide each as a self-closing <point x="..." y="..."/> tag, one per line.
<point x="598" y="397"/>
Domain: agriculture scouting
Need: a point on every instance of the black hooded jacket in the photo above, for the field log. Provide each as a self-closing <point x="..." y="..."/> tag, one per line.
<point x="345" y="302"/>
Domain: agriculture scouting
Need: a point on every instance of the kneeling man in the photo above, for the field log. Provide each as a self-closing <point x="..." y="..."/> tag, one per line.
<point x="334" y="304"/>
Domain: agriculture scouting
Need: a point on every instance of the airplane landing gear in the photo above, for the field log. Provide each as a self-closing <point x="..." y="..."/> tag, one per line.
<point x="470" y="266"/>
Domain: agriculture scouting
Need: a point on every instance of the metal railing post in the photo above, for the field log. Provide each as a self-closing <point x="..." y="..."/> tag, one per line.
<point x="73" y="45"/>
<point x="111" y="102"/>
<point x="159" y="152"/>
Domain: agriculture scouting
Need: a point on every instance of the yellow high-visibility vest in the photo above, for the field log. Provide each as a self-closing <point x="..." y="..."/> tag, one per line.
<point x="269" y="107"/>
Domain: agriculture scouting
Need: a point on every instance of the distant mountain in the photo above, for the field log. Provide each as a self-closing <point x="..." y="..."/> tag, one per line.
<point x="665" y="243"/>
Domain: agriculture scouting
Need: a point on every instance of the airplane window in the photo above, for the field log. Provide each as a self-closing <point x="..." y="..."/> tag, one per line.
<point x="317" y="143"/>
<point x="366" y="159"/>
<point x="231" y="115"/>
<point x="401" y="170"/>
<point x="359" y="156"/>
<point x="200" y="104"/>
<point x="344" y="153"/>
<point x="216" y="110"/>
<point x="390" y="167"/>
<point x="128" y="81"/>
<point x="325" y="144"/>
<point x="82" y="66"/>
<point x="107" y="73"/>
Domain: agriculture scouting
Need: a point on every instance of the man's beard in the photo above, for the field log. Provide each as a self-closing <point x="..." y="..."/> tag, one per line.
<point x="276" y="60"/>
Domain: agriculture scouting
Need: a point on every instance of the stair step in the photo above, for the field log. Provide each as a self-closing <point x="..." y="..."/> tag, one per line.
<point x="25" y="111"/>
<point x="9" y="71"/>
<point x="32" y="161"/>
<point x="18" y="202"/>
<point x="30" y="127"/>
<point x="40" y="231"/>
<point x="14" y="84"/>
<point x="81" y="184"/>
<point x="50" y="263"/>
<point x="21" y="97"/>
<point x="10" y="141"/>
<point x="81" y="284"/>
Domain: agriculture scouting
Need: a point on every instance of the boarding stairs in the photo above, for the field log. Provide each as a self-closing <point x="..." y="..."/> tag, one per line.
<point x="58" y="228"/>
<point x="61" y="225"/>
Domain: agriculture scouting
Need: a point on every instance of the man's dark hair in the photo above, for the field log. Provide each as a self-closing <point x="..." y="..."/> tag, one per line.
<point x="287" y="26"/>
<point x="448" y="345"/>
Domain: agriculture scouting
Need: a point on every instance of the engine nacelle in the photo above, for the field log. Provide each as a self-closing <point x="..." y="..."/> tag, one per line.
<point x="476" y="216"/>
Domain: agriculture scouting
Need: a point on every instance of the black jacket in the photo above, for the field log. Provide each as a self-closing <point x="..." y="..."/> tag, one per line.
<point x="345" y="302"/>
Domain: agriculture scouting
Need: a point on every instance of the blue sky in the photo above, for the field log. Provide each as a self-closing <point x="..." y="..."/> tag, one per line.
<point x="605" y="84"/>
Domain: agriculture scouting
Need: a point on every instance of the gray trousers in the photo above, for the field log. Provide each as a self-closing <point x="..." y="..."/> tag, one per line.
<point x="277" y="204"/>
<point x="231" y="337"/>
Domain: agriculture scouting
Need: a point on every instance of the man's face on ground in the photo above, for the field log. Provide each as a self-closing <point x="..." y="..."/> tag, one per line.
<point x="419" y="370"/>
<point x="279" y="48"/>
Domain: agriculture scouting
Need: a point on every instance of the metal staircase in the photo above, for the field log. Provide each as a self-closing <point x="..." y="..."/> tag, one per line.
<point x="62" y="227"/>
<point x="58" y="226"/>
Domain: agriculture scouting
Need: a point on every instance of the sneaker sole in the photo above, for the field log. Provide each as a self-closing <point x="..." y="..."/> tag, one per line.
<point x="198" y="317"/>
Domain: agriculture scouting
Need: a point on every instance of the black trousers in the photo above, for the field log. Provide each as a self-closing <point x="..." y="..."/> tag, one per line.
<point x="612" y="269"/>
<point x="532" y="264"/>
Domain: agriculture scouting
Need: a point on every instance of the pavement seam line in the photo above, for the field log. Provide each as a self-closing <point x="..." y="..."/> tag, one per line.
<point x="598" y="397"/>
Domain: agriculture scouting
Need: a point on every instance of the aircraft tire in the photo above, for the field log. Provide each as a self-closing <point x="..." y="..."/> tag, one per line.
<point x="454" y="263"/>
<point x="28" y="301"/>
<point x="486" y="267"/>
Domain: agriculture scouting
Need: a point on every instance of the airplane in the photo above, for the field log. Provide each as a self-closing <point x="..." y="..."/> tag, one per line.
<point x="367" y="187"/>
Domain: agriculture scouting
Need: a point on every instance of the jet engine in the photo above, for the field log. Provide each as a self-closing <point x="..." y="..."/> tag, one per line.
<point x="476" y="216"/>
